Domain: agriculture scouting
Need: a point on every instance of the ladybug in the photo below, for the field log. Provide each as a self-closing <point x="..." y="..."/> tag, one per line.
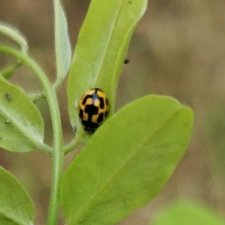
<point x="93" y="109"/>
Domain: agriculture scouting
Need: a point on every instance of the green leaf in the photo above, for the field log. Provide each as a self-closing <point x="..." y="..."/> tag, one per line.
<point x="5" y="221"/>
<point x="15" y="35"/>
<point x="187" y="213"/>
<point x="126" y="162"/>
<point x="101" y="49"/>
<point x="21" y="124"/>
<point x="62" y="42"/>
<point x="16" y="207"/>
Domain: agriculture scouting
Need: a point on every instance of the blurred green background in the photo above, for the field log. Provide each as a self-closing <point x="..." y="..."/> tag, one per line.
<point x="178" y="50"/>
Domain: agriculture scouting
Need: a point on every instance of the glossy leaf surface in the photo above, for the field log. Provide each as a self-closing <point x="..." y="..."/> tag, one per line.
<point x="127" y="161"/>
<point x="101" y="49"/>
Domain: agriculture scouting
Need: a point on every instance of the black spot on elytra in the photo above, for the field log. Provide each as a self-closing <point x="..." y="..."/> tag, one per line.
<point x="106" y="113"/>
<point x="86" y="98"/>
<point x="100" y="117"/>
<point x="101" y="103"/>
<point x="129" y="2"/>
<point x="81" y="113"/>
<point x="91" y="110"/>
<point x="106" y="102"/>
<point x="97" y="89"/>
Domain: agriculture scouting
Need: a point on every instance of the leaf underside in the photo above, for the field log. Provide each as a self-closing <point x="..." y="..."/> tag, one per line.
<point x="21" y="124"/>
<point x="62" y="42"/>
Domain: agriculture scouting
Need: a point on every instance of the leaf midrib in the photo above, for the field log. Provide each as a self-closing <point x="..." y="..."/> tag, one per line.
<point x="109" y="40"/>
<point x="92" y="201"/>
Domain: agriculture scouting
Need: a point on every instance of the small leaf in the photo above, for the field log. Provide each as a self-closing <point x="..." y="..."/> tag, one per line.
<point x="21" y="124"/>
<point x="126" y="162"/>
<point x="101" y="49"/>
<point x="62" y="42"/>
<point x="16" y="207"/>
<point x="15" y="35"/>
<point x="187" y="213"/>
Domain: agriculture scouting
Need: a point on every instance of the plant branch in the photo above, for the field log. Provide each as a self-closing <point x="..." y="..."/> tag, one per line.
<point x="56" y="126"/>
<point x="77" y="140"/>
<point x="39" y="95"/>
<point x="10" y="70"/>
<point x="71" y="146"/>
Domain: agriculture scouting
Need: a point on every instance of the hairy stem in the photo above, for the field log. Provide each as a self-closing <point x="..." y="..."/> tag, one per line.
<point x="77" y="140"/>
<point x="56" y="126"/>
<point x="8" y="72"/>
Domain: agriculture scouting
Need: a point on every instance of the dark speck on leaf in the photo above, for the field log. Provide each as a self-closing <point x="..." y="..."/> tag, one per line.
<point x="129" y="2"/>
<point x="74" y="129"/>
<point x="7" y="121"/>
<point x="8" y="97"/>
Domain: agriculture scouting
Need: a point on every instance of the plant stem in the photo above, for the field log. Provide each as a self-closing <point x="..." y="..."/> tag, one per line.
<point x="9" y="31"/>
<point x="77" y="140"/>
<point x="71" y="146"/>
<point x="8" y="72"/>
<point x="56" y="126"/>
<point x="39" y="95"/>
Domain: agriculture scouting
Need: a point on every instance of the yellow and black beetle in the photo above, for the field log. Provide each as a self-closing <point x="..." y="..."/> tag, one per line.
<point x="93" y="109"/>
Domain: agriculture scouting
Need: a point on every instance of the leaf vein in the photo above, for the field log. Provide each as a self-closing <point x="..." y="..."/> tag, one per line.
<point x="13" y="218"/>
<point x="117" y="172"/>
